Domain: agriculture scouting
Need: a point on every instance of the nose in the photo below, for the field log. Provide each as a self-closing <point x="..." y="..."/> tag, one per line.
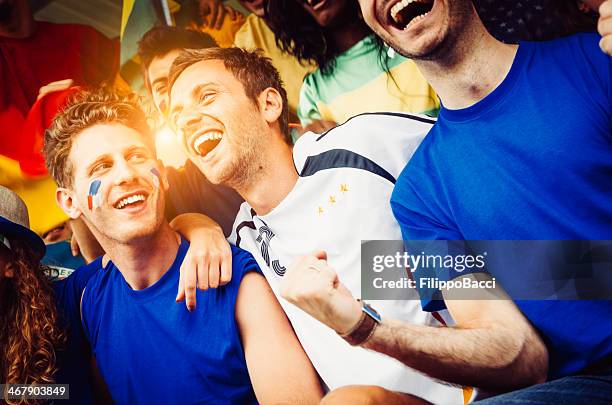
<point x="125" y="173"/>
<point x="186" y="124"/>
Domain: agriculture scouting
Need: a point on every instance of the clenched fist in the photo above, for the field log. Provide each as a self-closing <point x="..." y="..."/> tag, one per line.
<point x="313" y="286"/>
<point x="604" y="26"/>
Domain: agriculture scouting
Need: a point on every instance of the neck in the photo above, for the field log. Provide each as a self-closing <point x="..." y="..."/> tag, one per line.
<point x="21" y="23"/>
<point x="471" y="68"/>
<point x="347" y="35"/>
<point x="144" y="261"/>
<point x="274" y="180"/>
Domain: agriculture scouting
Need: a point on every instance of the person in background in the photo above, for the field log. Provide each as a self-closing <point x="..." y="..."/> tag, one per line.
<point x="40" y="340"/>
<point x="355" y="73"/>
<point x="190" y="191"/>
<point x="256" y="34"/>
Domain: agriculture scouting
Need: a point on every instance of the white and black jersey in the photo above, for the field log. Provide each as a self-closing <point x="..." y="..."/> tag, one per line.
<point x="341" y="197"/>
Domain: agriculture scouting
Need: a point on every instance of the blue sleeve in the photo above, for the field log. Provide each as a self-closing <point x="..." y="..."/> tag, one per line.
<point x="418" y="210"/>
<point x="591" y="69"/>
<point x="69" y="290"/>
<point x="243" y="262"/>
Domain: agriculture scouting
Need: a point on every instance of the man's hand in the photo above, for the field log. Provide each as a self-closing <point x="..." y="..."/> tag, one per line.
<point x="604" y="26"/>
<point x="313" y="286"/>
<point x="212" y="13"/>
<point x="54" y="86"/>
<point x="208" y="262"/>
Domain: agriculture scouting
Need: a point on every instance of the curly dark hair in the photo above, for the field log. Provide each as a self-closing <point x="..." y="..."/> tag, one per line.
<point x="31" y="333"/>
<point x="298" y="34"/>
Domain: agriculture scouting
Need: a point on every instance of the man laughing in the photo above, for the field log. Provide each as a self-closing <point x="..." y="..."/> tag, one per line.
<point x="522" y="150"/>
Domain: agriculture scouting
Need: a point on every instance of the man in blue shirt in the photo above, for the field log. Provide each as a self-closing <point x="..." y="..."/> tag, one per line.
<point x="522" y="150"/>
<point x="148" y="348"/>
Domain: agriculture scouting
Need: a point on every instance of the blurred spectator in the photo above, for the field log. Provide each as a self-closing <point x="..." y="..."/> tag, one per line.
<point x="190" y="191"/>
<point x="34" y="56"/>
<point x="37" y="59"/>
<point x="256" y="34"/>
<point x="40" y="340"/>
<point x="355" y="72"/>
<point x="211" y="17"/>
<point x="511" y="21"/>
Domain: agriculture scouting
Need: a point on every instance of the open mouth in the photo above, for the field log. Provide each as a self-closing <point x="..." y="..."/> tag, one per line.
<point x="205" y="143"/>
<point x="131" y="201"/>
<point x="408" y="12"/>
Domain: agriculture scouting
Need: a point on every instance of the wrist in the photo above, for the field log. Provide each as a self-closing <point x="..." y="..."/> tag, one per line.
<point x="349" y="322"/>
<point x="361" y="332"/>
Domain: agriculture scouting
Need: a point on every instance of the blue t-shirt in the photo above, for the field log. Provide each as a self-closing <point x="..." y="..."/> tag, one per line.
<point x="152" y="350"/>
<point x="532" y="160"/>
<point x="73" y="360"/>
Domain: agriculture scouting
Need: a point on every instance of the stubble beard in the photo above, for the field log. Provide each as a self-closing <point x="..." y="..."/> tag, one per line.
<point x="449" y="48"/>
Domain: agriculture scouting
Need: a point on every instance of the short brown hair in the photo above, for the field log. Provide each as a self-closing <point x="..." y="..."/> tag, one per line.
<point x="84" y="110"/>
<point x="161" y="40"/>
<point x="255" y="72"/>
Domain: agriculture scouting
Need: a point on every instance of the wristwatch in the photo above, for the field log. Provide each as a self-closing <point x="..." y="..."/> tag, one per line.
<point x="365" y="327"/>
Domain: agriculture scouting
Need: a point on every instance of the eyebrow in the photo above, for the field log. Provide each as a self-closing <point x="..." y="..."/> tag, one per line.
<point x="159" y="80"/>
<point x="195" y="92"/>
<point x="93" y="164"/>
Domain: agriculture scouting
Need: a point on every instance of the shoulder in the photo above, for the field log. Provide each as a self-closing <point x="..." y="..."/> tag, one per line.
<point x="387" y="138"/>
<point x="243" y="262"/>
<point x="244" y="218"/>
<point x="572" y="52"/>
<point x="73" y="285"/>
<point x="253" y="26"/>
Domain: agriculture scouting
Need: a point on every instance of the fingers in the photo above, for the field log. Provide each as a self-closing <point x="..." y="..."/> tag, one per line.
<point x="604" y="26"/>
<point x="214" y="272"/>
<point x="226" y="267"/>
<point x="190" y="278"/>
<point x="203" y="265"/>
<point x="218" y="21"/>
<point x="54" y="86"/>
<point x="180" y="296"/>
<point x="320" y="254"/>
<point x="74" y="246"/>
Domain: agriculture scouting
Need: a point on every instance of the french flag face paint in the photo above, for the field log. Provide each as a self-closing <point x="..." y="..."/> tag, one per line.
<point x="156" y="176"/>
<point x="94" y="196"/>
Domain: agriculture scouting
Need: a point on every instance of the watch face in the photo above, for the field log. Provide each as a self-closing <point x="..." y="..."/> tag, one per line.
<point x="371" y="312"/>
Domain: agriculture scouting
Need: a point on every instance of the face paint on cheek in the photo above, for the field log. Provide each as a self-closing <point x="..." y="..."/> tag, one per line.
<point x="94" y="199"/>
<point x="156" y="176"/>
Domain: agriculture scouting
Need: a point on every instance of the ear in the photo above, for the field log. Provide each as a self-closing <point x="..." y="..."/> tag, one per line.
<point x="270" y="104"/>
<point x="67" y="202"/>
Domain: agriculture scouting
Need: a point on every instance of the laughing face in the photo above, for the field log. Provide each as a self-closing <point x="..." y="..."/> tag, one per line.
<point x="114" y="187"/>
<point x="418" y="29"/>
<point x="221" y="128"/>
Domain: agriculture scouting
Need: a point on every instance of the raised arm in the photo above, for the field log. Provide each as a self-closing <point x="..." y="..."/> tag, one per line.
<point x="279" y="368"/>
<point x="492" y="346"/>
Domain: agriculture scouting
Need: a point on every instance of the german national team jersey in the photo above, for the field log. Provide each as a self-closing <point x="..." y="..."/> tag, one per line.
<point x="346" y="177"/>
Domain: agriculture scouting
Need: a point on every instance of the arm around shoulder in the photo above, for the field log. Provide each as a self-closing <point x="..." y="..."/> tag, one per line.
<point x="278" y="366"/>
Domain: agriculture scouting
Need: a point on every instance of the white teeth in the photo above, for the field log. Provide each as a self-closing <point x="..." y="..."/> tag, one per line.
<point x="402" y="4"/>
<point x="130" y="200"/>
<point x="206" y="137"/>
<point x="399" y="6"/>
